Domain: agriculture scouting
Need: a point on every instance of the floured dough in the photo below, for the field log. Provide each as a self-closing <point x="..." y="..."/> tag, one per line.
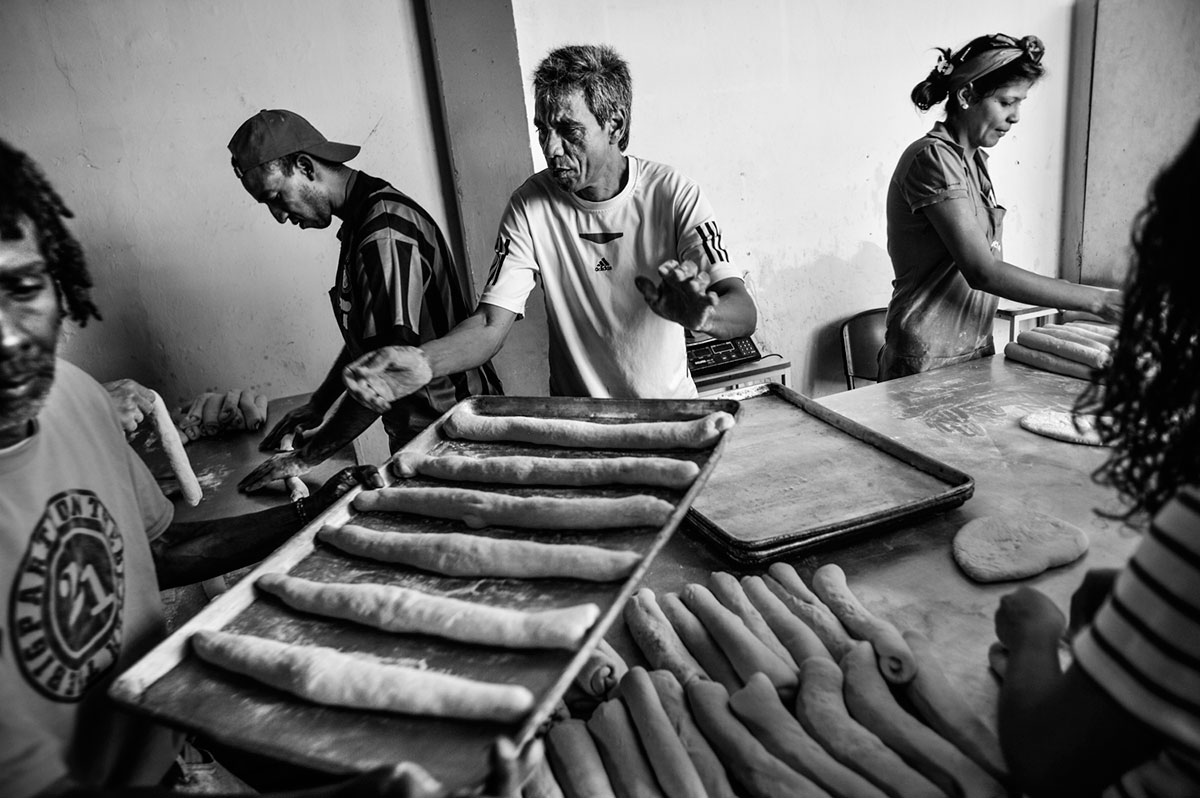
<point x="1060" y="425"/>
<point x="994" y="548"/>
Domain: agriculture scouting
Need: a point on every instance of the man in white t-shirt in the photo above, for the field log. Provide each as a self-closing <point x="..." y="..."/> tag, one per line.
<point x="628" y="251"/>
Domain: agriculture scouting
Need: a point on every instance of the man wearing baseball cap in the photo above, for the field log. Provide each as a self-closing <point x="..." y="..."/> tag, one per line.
<point x="396" y="283"/>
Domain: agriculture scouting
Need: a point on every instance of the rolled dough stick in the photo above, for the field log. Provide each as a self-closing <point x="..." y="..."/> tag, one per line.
<point x="1106" y="330"/>
<point x="896" y="662"/>
<point x="757" y="705"/>
<point x="871" y="703"/>
<point x="602" y="672"/>
<point x="229" y="403"/>
<point x="1016" y="545"/>
<point x="708" y="765"/>
<point x="328" y="676"/>
<point x="173" y="447"/>
<point x="657" y="639"/>
<point x="1075" y="335"/>
<point x="822" y="711"/>
<point x="209" y="425"/>
<point x="699" y="433"/>
<point x="576" y="762"/>
<point x="746" y="653"/>
<point x="287" y="443"/>
<point x="1065" y="349"/>
<point x="400" y="609"/>
<point x="728" y="590"/>
<point x="699" y="642"/>
<point x="623" y="757"/>
<point x="260" y="409"/>
<point x="753" y="766"/>
<point x="1061" y="426"/>
<point x="478" y="509"/>
<point x="455" y="554"/>
<point x="667" y="472"/>
<point x="800" y="640"/>
<point x="942" y="706"/>
<point x="787" y="585"/>
<point x="1046" y="362"/>
<point x="676" y="774"/>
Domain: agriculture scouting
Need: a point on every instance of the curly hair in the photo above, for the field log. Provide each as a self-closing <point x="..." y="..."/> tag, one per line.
<point x="25" y="193"/>
<point x="1148" y="400"/>
<point x="935" y="88"/>
<point x="596" y="70"/>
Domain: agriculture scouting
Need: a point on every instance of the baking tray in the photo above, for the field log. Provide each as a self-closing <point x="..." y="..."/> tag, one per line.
<point x="798" y="475"/>
<point x="176" y="687"/>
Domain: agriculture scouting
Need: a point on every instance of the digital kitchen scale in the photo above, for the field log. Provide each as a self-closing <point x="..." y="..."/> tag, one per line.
<point x="709" y="355"/>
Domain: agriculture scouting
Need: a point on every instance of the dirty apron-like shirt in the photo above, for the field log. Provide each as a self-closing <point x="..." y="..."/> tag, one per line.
<point x="935" y="318"/>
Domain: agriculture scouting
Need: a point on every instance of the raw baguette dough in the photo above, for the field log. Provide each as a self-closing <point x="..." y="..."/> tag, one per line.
<point x="699" y="642"/>
<point x="799" y="639"/>
<point x="666" y="472"/>
<point x="657" y="639"/>
<point x="871" y="703"/>
<point x="896" y="662"/>
<point x="401" y="609"/>
<point x="1061" y="426"/>
<point x="173" y="446"/>
<point x="786" y="584"/>
<point x="1066" y="349"/>
<point x="478" y="509"/>
<point x="699" y="433"/>
<point x="1108" y="331"/>
<point x="822" y="710"/>
<point x="676" y="774"/>
<point x="708" y="765"/>
<point x="729" y="591"/>
<point x="1047" y="362"/>
<point x="576" y="762"/>
<point x="942" y="706"/>
<point x="602" y="672"/>
<point x="1015" y="546"/>
<point x="456" y="554"/>
<point x="623" y="756"/>
<point x="757" y="705"/>
<point x="328" y="676"/>
<point x="1079" y="336"/>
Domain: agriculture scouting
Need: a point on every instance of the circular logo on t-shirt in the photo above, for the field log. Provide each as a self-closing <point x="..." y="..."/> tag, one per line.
<point x="65" y="608"/>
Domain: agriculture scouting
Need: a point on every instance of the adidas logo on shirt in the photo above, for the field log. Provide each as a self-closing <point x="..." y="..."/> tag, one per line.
<point x="604" y="265"/>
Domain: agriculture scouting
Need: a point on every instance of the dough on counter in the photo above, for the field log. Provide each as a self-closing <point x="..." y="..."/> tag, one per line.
<point x="1047" y="362"/>
<point x="667" y="472"/>
<point x="176" y="456"/>
<point x="328" y="676"/>
<point x="1061" y="426"/>
<point x="1015" y="546"/>
<point x="400" y="609"/>
<point x="699" y="433"/>
<point x="479" y="508"/>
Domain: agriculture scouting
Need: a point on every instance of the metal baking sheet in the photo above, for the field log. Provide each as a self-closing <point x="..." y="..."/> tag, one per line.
<point x="797" y="475"/>
<point x="174" y="686"/>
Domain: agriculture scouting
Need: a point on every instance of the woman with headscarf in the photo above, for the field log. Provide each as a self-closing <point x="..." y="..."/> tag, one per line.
<point x="945" y="225"/>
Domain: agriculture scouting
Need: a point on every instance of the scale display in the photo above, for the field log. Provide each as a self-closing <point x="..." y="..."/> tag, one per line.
<point x="709" y="356"/>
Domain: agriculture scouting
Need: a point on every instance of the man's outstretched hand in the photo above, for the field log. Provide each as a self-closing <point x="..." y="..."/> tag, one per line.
<point x="132" y="401"/>
<point x="681" y="296"/>
<point x="381" y="377"/>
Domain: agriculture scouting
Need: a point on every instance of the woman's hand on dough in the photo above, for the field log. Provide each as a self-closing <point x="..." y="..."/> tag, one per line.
<point x="295" y="421"/>
<point x="1112" y="305"/>
<point x="132" y="401"/>
<point x="384" y="375"/>
<point x="682" y="296"/>
<point x="1028" y="617"/>
<point x="277" y="467"/>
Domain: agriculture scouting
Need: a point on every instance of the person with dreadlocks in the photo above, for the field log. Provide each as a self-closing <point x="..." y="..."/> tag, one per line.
<point x="87" y="539"/>
<point x="944" y="223"/>
<point x="629" y="254"/>
<point x="1124" y="718"/>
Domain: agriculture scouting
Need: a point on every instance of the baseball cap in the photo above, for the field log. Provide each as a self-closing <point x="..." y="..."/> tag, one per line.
<point x="273" y="134"/>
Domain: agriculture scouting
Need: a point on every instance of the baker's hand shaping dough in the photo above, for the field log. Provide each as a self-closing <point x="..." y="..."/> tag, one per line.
<point x="682" y="296"/>
<point x="298" y="420"/>
<point x="276" y="467"/>
<point x="381" y="377"/>
<point x="132" y="401"/>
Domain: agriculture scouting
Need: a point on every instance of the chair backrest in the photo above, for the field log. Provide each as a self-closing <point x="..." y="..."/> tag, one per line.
<point x="862" y="338"/>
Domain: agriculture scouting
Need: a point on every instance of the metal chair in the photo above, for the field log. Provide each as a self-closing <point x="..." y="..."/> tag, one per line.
<point x="862" y="338"/>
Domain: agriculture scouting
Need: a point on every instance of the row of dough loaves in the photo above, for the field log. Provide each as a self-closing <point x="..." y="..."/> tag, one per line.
<point x="212" y="413"/>
<point x="1075" y="349"/>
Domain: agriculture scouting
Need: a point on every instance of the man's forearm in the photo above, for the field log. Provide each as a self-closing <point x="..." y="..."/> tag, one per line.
<point x="471" y="344"/>
<point x="735" y="314"/>
<point x="347" y="422"/>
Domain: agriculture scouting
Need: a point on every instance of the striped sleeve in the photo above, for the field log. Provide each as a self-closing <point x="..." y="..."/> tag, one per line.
<point x="699" y="235"/>
<point x="1143" y="647"/>
<point x="396" y="256"/>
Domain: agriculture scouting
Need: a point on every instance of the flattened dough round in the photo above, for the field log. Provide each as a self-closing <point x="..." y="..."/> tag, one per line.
<point x="995" y="548"/>
<point x="1060" y="425"/>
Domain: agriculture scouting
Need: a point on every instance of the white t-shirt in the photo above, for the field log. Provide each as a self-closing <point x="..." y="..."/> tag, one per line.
<point x="604" y="339"/>
<point x="77" y="511"/>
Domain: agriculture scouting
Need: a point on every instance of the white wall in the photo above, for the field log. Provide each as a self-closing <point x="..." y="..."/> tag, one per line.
<point x="792" y="113"/>
<point x="128" y="106"/>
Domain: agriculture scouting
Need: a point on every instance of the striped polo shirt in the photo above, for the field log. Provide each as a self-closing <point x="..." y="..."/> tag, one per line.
<point x="398" y="284"/>
<point x="1143" y="648"/>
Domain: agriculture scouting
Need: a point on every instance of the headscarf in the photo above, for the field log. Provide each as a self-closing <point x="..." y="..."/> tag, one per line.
<point x="979" y="59"/>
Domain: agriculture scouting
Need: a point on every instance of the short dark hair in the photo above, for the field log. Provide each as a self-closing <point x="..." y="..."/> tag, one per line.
<point x="597" y="71"/>
<point x="25" y="193"/>
<point x="1148" y="401"/>
<point x="936" y="86"/>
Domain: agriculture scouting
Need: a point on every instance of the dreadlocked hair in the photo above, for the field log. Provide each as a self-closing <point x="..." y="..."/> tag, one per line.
<point x="1148" y="400"/>
<point x="25" y="192"/>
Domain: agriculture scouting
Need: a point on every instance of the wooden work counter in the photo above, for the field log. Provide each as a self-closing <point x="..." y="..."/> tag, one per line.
<point x="967" y="417"/>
